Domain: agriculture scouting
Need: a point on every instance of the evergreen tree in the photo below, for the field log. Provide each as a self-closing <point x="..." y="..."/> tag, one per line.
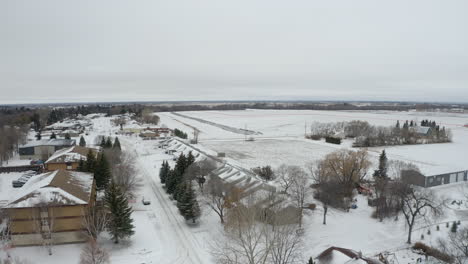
<point x="187" y="204"/>
<point x="454" y="227"/>
<point x="102" y="173"/>
<point x="90" y="163"/>
<point x="172" y="181"/>
<point x="116" y="144"/>
<point x="53" y="136"/>
<point x="181" y="164"/>
<point x="163" y="172"/>
<point x="121" y="224"/>
<point x="67" y="136"/>
<point x="190" y="159"/>
<point x="179" y="191"/>
<point x="397" y="126"/>
<point x="383" y="164"/>
<point x="82" y="142"/>
<point x="38" y="135"/>
<point x="81" y="165"/>
<point x="311" y="261"/>
<point x="108" y="143"/>
<point x="103" y="143"/>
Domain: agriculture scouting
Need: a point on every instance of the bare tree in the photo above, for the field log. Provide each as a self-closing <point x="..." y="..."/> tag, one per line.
<point x="328" y="189"/>
<point x="246" y="241"/>
<point x="44" y="222"/>
<point x="95" y="221"/>
<point x="199" y="171"/>
<point x="416" y="204"/>
<point x="148" y="116"/>
<point x="347" y="167"/>
<point x="120" y="121"/>
<point x="217" y="197"/>
<point x="12" y="137"/>
<point x="287" y="245"/>
<point x="300" y="190"/>
<point x="5" y="225"/>
<point x="124" y="173"/>
<point x="456" y="245"/>
<point x="249" y="240"/>
<point x="396" y="166"/>
<point x="285" y="175"/>
<point x="357" y="128"/>
<point x="92" y="253"/>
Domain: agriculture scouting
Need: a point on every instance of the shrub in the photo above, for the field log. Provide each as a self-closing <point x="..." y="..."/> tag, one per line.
<point x="315" y="137"/>
<point x="333" y="140"/>
<point x="454" y="227"/>
<point x="430" y="251"/>
<point x="180" y="133"/>
<point x="265" y="173"/>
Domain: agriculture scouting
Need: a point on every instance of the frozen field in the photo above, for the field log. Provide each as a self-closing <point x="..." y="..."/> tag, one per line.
<point x="281" y="136"/>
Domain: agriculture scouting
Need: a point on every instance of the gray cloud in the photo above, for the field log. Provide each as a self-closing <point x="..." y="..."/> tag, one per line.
<point x="216" y="50"/>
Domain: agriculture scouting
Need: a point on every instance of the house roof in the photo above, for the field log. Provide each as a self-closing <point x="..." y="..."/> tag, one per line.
<point x="50" y="142"/>
<point x="327" y="256"/>
<point x="73" y="154"/>
<point x="55" y="188"/>
<point x="421" y="129"/>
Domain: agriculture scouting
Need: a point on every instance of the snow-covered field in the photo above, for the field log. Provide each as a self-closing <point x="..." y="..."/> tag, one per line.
<point x="282" y="136"/>
<point x="162" y="236"/>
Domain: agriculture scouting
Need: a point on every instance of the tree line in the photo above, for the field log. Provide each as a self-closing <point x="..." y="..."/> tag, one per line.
<point x="367" y="135"/>
<point x="178" y="183"/>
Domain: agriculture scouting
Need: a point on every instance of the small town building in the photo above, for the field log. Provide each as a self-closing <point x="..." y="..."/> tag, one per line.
<point x="50" y="209"/>
<point x="417" y="178"/>
<point x="43" y="149"/>
<point x="67" y="159"/>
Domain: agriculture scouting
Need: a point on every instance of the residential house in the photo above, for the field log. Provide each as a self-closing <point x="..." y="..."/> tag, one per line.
<point x="422" y="130"/>
<point x="50" y="209"/>
<point x="43" y="149"/>
<point x="68" y="159"/>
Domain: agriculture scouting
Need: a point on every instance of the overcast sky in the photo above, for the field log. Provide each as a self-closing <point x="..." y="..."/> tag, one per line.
<point x="78" y="51"/>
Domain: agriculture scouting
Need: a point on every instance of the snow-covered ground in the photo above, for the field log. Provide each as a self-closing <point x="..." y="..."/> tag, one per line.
<point x="282" y="136"/>
<point x="162" y="235"/>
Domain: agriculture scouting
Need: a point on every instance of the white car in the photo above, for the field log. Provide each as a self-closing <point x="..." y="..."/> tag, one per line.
<point x="145" y="201"/>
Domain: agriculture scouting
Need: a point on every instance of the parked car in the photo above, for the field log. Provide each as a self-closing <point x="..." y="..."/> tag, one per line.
<point x="23" y="179"/>
<point x="145" y="201"/>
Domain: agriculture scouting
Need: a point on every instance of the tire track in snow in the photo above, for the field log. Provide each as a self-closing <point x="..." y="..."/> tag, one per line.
<point x="188" y="243"/>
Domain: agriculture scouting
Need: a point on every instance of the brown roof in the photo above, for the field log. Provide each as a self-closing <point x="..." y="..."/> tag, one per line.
<point x="60" y="187"/>
<point x="325" y="255"/>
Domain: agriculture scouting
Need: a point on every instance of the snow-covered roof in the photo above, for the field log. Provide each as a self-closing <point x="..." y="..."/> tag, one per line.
<point x="50" y="142"/>
<point x="421" y="129"/>
<point x="73" y="154"/>
<point x="55" y="188"/>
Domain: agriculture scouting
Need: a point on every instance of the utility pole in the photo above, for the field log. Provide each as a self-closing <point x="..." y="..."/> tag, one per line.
<point x="245" y="132"/>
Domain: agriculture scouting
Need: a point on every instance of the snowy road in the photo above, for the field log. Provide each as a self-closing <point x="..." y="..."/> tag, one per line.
<point x="178" y="239"/>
